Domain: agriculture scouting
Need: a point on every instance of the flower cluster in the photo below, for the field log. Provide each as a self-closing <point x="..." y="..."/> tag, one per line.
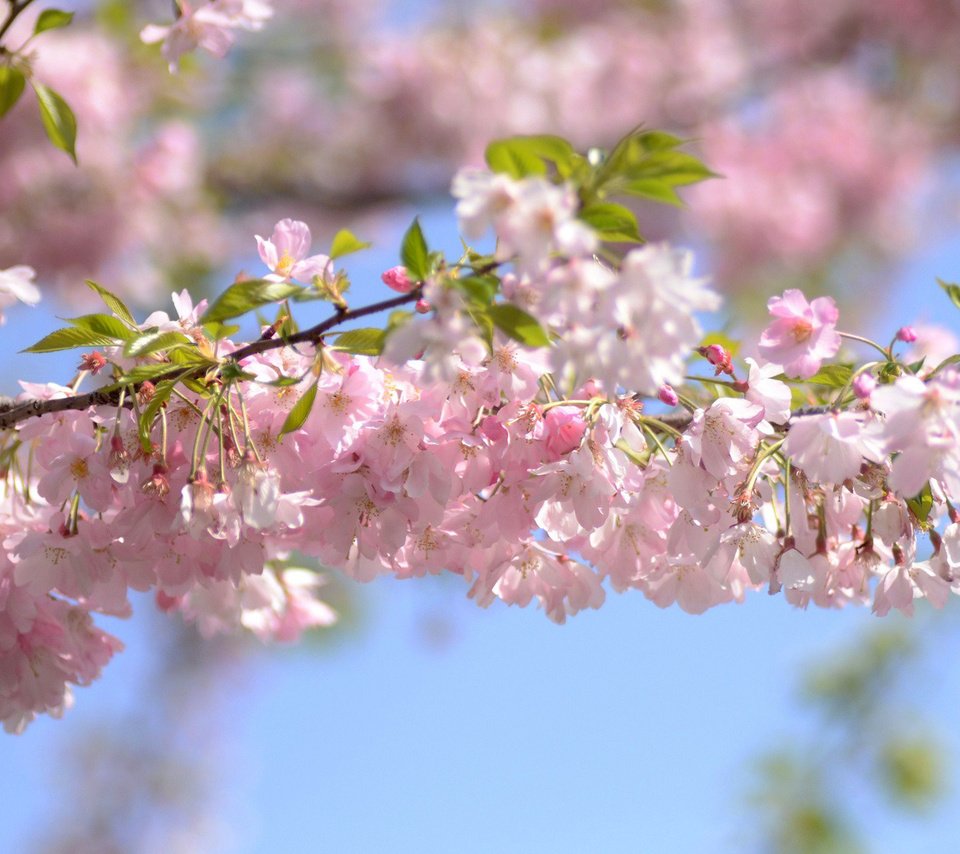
<point x="537" y="431"/>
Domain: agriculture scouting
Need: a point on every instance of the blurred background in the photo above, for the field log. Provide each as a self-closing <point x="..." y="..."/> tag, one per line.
<point x="421" y="723"/>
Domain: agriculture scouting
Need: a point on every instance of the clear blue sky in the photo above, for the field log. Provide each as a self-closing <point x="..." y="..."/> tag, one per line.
<point x="628" y="729"/>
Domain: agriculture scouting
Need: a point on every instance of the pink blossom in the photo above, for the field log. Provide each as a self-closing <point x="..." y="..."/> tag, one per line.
<point x="397" y="279"/>
<point x="802" y="334"/>
<point x="563" y="430"/>
<point x="285" y="253"/>
<point x="209" y="26"/>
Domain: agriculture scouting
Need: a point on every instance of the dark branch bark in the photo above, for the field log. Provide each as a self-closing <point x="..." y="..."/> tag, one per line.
<point x="13" y="412"/>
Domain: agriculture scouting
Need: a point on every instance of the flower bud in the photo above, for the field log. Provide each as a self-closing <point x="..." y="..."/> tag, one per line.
<point x="907" y="334"/>
<point x="667" y="395"/>
<point x="397" y="278"/>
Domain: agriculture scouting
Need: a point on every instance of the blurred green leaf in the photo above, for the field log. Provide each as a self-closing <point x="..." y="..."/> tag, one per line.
<point x="519" y="325"/>
<point x="52" y="19"/>
<point x="58" y="119"/>
<point x="12" y="84"/>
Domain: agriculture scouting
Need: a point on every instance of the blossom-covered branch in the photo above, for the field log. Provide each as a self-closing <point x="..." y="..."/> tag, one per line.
<point x="550" y="423"/>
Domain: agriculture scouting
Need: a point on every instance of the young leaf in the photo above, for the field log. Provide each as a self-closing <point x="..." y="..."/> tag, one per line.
<point x="362" y="342"/>
<point x="52" y="19"/>
<point x="12" y="83"/>
<point x="68" y="339"/>
<point x="58" y="119"/>
<point x="161" y="394"/>
<point x="152" y="342"/>
<point x="139" y="373"/>
<point x="113" y="302"/>
<point x="834" y="376"/>
<point x="654" y="189"/>
<point x="242" y="297"/>
<point x="103" y="324"/>
<point x="414" y="253"/>
<point x="953" y="291"/>
<point x="301" y="409"/>
<point x="345" y="242"/>
<point x="520" y="156"/>
<point x="519" y="325"/>
<point x="612" y="222"/>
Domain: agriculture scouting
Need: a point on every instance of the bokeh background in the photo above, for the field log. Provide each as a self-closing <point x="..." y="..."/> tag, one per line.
<point x="421" y="723"/>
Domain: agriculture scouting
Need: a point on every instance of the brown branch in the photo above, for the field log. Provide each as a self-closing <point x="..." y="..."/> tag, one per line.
<point x="24" y="409"/>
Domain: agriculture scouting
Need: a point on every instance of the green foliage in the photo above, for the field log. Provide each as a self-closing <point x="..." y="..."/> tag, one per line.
<point x="113" y="302"/>
<point x="161" y="395"/>
<point x="70" y="338"/>
<point x="346" y="242"/>
<point x="647" y="164"/>
<point x="921" y="505"/>
<point x="519" y="325"/>
<point x="912" y="770"/>
<point x="301" y="409"/>
<point x="12" y="84"/>
<point x="103" y="324"/>
<point x="242" y="297"/>
<point x="59" y="121"/>
<point x="414" y="253"/>
<point x="952" y="291"/>
<point x="612" y="222"/>
<point x="52" y="19"/>
<point x="153" y="342"/>
<point x="363" y="342"/>
<point x="521" y="156"/>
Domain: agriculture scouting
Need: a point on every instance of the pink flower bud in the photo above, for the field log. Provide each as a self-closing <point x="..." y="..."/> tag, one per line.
<point x="397" y="278"/>
<point x="423" y="306"/>
<point x="907" y="334"/>
<point x="719" y="358"/>
<point x="863" y="385"/>
<point x="563" y="430"/>
<point x="667" y="395"/>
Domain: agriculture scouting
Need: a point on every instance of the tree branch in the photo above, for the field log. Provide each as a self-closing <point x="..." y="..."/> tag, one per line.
<point x="12" y="412"/>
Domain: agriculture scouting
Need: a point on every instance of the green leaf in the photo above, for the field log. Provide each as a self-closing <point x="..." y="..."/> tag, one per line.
<point x="922" y="503"/>
<point x="301" y="409"/>
<point x="834" y="376"/>
<point x="68" y="339"/>
<point x="953" y="291"/>
<point x="113" y="302"/>
<point x="414" y="253"/>
<point x="161" y="394"/>
<point x="674" y="168"/>
<point x="52" y="19"/>
<point x="613" y="223"/>
<point x="58" y="119"/>
<point x="346" y="242"/>
<point x="12" y="83"/>
<point x="152" y="342"/>
<point x="103" y="324"/>
<point x="654" y="189"/>
<point x="520" y="156"/>
<point x="219" y="331"/>
<point x="140" y="373"/>
<point x="362" y="342"/>
<point x="519" y="325"/>
<point x="242" y="297"/>
<point x="479" y="289"/>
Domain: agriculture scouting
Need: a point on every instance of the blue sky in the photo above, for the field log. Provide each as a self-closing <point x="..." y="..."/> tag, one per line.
<point x="436" y="726"/>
